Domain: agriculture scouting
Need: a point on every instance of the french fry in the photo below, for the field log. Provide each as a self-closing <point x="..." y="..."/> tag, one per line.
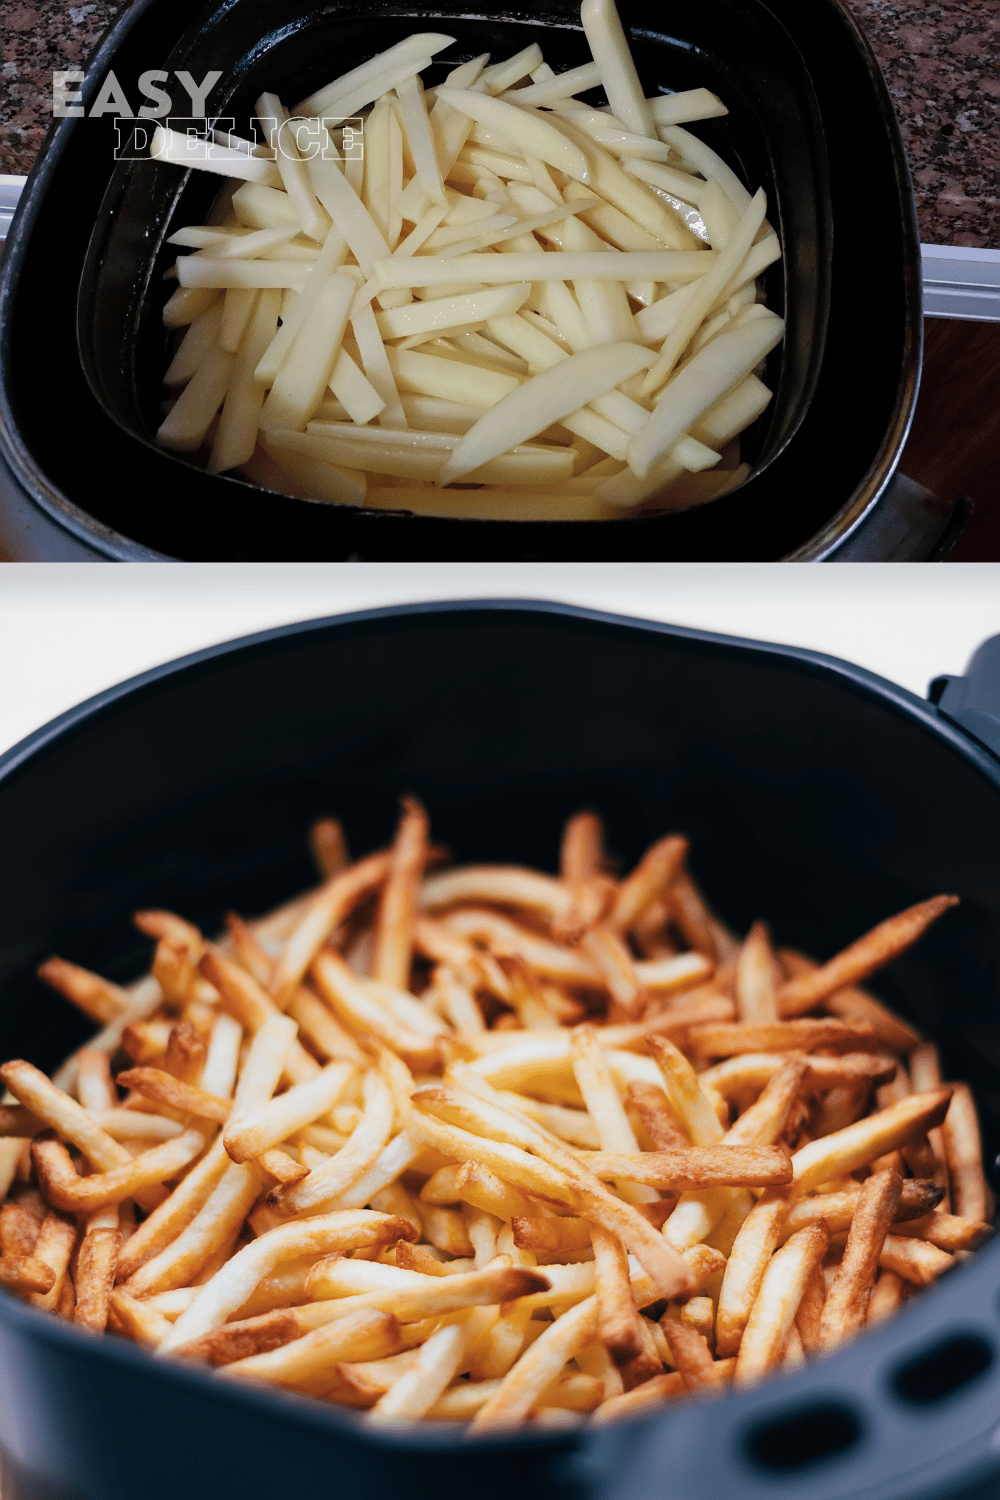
<point x="846" y="1306"/>
<point x="418" y="1388"/>
<point x="257" y="1130"/>
<point x="95" y="1088"/>
<point x="654" y="874"/>
<point x="856" y="1145"/>
<point x="618" y="1319"/>
<point x="163" y="1088"/>
<point x="95" y="1276"/>
<point x="752" y="1070"/>
<point x="581" y="851"/>
<point x="97" y="997"/>
<point x="753" y="1247"/>
<point x="353" y="1003"/>
<point x="247" y="1002"/>
<point x="172" y="1216"/>
<point x="960" y="1131"/>
<point x="66" y="1190"/>
<point x="233" y="1341"/>
<point x="887" y="1297"/>
<point x="777" y="1302"/>
<point x="612" y="960"/>
<point x="310" y="1363"/>
<point x="330" y="905"/>
<point x="871" y="952"/>
<point x="593" y="1076"/>
<point x="914" y="1260"/>
<point x="809" y="1318"/>
<point x="947" y="1231"/>
<point x="763" y="1123"/>
<point x="717" y="1039"/>
<point x="755" y="989"/>
<point x="916" y="1202"/>
<point x="219" y="1217"/>
<point x="342" y="1171"/>
<point x="423" y="1296"/>
<point x="235" y="1282"/>
<point x="53" y="1248"/>
<point x="690" y="1354"/>
<point x="397" y="908"/>
<point x="520" y="1389"/>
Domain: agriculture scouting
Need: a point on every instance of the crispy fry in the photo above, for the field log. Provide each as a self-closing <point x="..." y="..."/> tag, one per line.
<point x="582" y="849"/>
<point x="752" y="1070"/>
<point x="66" y="1190"/>
<point x="763" y="1123"/>
<point x="613" y="962"/>
<point x="618" y="1319"/>
<point x="887" y="1297"/>
<point x="685" y="1094"/>
<point x="53" y="1248"/>
<point x="658" y="1120"/>
<point x="328" y="1182"/>
<point x="126" y="1314"/>
<point x="259" y="1129"/>
<point x="334" y="900"/>
<point x="233" y="1341"/>
<point x="328" y="844"/>
<point x="246" y="1000"/>
<point x="218" y="1219"/>
<point x="310" y="1363"/>
<point x="647" y="1398"/>
<point x="593" y="1075"/>
<point x="777" y="1302"/>
<point x="168" y="1221"/>
<point x="162" y="1088"/>
<point x="97" y="997"/>
<point x="755" y="1243"/>
<point x="858" y="1144"/>
<point x="411" y="1296"/>
<point x="394" y="926"/>
<point x="756" y="1004"/>
<point x="94" y="1086"/>
<point x="917" y="1199"/>
<point x="95" y="1277"/>
<point x="690" y="1354"/>
<point x="417" y="1389"/>
<point x="653" y="875"/>
<point x="871" y="952"/>
<point x="521" y="1388"/>
<point x="947" y="1231"/>
<point x="960" y="1130"/>
<point x="696" y="1167"/>
<point x="354" y="1004"/>
<point x="915" y="1260"/>
<point x="551" y="1235"/>
<point x="476" y="1184"/>
<point x="24" y="1273"/>
<point x="846" y="1305"/>
<point x="809" y="1318"/>
<point x="717" y="1039"/>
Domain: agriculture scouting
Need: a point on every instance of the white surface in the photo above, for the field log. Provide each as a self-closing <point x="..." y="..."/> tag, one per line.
<point x="67" y="632"/>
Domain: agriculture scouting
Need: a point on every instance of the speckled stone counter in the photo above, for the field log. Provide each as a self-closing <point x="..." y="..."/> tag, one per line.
<point x="940" y="57"/>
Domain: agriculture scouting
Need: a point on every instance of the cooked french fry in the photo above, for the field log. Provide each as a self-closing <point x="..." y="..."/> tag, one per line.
<point x="947" y="1231"/>
<point x="245" y="1000"/>
<point x="172" y="1217"/>
<point x="330" y="905"/>
<point x="394" y="926"/>
<point x="887" y="1297"/>
<point x="753" y="1247"/>
<point x="95" y="1276"/>
<point x="97" y="997"/>
<point x="915" y="1260"/>
<point x="328" y="1182"/>
<point x="618" y="1319"/>
<point x="232" y="1195"/>
<point x="755" y="988"/>
<point x="750" y="1071"/>
<point x="960" y="1130"/>
<point x="310" y="1363"/>
<point x="777" y="1302"/>
<point x="717" y="1039"/>
<point x="593" y="1076"/>
<point x="763" y="1123"/>
<point x="66" y="1190"/>
<point x="258" y="1129"/>
<point x="163" y="1088"/>
<point x="856" y="1145"/>
<point x="846" y="1306"/>
<point x="533" y="1372"/>
<point x="871" y="952"/>
<point x="53" y="1248"/>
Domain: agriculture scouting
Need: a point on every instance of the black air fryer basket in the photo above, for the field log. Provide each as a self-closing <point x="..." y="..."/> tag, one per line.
<point x="848" y="285"/>
<point x="814" y="794"/>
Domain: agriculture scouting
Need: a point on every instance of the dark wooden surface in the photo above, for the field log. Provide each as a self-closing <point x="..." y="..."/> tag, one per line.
<point x="954" y="444"/>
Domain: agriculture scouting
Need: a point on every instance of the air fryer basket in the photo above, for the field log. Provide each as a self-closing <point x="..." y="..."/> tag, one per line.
<point x="849" y="282"/>
<point x="814" y="793"/>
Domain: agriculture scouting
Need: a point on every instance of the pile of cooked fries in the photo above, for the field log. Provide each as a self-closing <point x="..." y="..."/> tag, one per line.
<point x="488" y="1145"/>
<point x="492" y="301"/>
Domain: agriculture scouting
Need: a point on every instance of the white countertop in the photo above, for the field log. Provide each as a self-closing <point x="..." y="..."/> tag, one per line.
<point x="67" y="632"/>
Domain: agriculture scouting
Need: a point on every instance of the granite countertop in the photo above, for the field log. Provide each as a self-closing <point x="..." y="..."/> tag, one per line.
<point x="939" y="57"/>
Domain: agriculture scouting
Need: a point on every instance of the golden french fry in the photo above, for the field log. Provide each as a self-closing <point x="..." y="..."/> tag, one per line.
<point x="233" y="1285"/>
<point x="418" y="1388"/>
<point x="755" y="1243"/>
<point x="582" y="849"/>
<point x="168" y="1221"/>
<point x="593" y="1076"/>
<point x="846" y="1306"/>
<point x="247" y="1001"/>
<point x="960" y="1130"/>
<point x="695" y="1167"/>
<point x="230" y="1198"/>
<point x="422" y="1296"/>
<point x="809" y="1317"/>
<point x="653" y="875"/>
<point x="354" y="1004"/>
<point x="233" y="1341"/>
<point x="915" y="1260"/>
<point x="95" y="1277"/>
<point x="482" y="1188"/>
<point x="185" y="1053"/>
<point x="689" y="1353"/>
<point x="328" y="844"/>
<point x="334" y="1177"/>
<point x="551" y="1235"/>
<point x="53" y="1248"/>
<point x="718" y="1039"/>
<point x="647" y="1398"/>
<point x="756" y="1003"/>
<point x="858" y="1144"/>
<point x="763" y="1123"/>
<point x="66" y="1190"/>
<point x="94" y="1085"/>
<point x="917" y="1200"/>
<point x="142" y="1323"/>
<point x="752" y="1070"/>
<point x="658" y="1120"/>
<point x="23" y="1273"/>
<point x="611" y="959"/>
<point x="310" y="1363"/>
<point x="538" y="1367"/>
<point x="777" y="1302"/>
<point x="618" y="1319"/>
<point x="97" y="997"/>
<point x="163" y="1088"/>
<point x="334" y="900"/>
<point x="394" y="926"/>
<point x="947" y="1231"/>
<point x="887" y="1297"/>
<point x="280" y="1117"/>
<point x="873" y="951"/>
<point x="684" y="1092"/>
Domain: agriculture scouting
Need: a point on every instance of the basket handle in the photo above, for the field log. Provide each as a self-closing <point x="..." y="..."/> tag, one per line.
<point x="973" y="701"/>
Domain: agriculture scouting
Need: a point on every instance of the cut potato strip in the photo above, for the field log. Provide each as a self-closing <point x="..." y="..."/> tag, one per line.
<point x="619" y="79"/>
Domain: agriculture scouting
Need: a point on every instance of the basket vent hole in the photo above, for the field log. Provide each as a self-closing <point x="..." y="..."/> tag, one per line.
<point x="803" y="1437"/>
<point x="942" y="1369"/>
